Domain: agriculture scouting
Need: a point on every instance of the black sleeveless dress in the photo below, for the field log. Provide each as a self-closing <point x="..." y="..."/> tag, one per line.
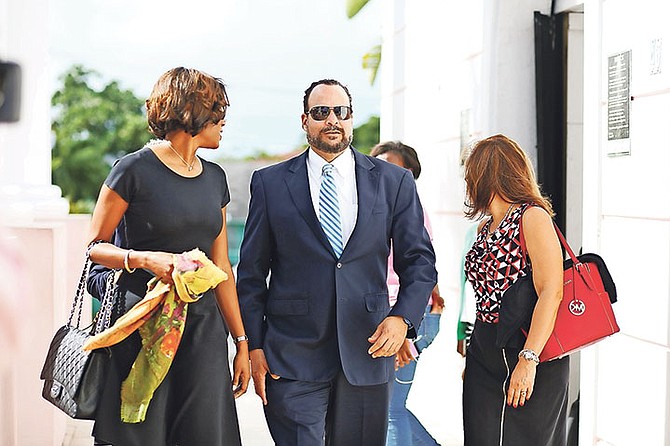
<point x="492" y="265"/>
<point x="194" y="405"/>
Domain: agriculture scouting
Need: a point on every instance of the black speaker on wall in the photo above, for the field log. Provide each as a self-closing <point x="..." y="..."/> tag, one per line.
<point x="10" y="91"/>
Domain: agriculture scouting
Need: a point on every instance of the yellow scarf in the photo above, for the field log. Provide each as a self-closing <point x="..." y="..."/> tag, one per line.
<point x="161" y="331"/>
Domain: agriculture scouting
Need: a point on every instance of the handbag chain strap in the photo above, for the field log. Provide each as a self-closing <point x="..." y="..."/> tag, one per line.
<point x="104" y="316"/>
<point x="78" y="301"/>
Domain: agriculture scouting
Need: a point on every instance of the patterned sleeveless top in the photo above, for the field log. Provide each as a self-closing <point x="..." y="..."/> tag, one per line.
<point x="494" y="263"/>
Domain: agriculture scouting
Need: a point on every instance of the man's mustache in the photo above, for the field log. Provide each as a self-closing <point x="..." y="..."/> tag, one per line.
<point x="332" y="129"/>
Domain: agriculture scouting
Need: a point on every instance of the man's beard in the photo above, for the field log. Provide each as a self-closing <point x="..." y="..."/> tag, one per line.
<point x="321" y="144"/>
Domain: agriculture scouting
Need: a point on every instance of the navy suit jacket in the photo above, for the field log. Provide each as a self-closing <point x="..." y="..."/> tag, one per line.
<point x="315" y="313"/>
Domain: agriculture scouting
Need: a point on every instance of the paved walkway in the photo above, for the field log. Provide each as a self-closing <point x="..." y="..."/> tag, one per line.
<point x="435" y="398"/>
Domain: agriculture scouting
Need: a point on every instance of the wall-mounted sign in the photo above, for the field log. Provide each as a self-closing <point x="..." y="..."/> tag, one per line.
<point x="618" y="104"/>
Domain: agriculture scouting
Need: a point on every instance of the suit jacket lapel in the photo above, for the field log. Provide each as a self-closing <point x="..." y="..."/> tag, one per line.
<point x="298" y="186"/>
<point x="367" y="187"/>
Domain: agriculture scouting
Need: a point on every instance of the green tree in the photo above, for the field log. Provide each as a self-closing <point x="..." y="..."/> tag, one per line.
<point x="366" y="135"/>
<point x="92" y="128"/>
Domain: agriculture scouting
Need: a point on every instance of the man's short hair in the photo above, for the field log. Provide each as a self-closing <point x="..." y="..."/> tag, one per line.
<point x="305" y="98"/>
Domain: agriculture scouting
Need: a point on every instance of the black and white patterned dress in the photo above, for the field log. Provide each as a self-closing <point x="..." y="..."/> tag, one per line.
<point x="492" y="265"/>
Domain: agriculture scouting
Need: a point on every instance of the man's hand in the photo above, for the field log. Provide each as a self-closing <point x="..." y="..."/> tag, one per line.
<point x="388" y="337"/>
<point x="404" y="355"/>
<point x="259" y="368"/>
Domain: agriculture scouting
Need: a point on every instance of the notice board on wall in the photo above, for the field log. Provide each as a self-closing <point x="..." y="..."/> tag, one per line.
<point x="618" y="104"/>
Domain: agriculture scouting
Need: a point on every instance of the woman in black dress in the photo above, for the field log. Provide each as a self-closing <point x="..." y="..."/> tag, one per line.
<point x="509" y="398"/>
<point x="168" y="200"/>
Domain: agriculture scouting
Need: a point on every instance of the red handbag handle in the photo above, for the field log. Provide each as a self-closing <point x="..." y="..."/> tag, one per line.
<point x="560" y="237"/>
<point x="576" y="263"/>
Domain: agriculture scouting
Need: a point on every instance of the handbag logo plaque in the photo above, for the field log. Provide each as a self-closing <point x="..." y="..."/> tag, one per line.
<point x="577" y="307"/>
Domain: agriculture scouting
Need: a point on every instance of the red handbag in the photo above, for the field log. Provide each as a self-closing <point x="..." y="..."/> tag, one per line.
<point x="585" y="314"/>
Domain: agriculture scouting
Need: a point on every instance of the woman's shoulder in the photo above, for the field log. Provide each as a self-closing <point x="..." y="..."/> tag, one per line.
<point x="535" y="216"/>
<point x="131" y="160"/>
<point x="213" y="167"/>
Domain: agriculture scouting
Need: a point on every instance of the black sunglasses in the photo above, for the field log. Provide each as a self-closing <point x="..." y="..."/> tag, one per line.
<point x="321" y="112"/>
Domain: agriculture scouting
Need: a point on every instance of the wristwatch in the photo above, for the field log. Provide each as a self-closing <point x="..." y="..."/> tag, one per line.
<point x="239" y="339"/>
<point x="411" y="332"/>
<point x="529" y="355"/>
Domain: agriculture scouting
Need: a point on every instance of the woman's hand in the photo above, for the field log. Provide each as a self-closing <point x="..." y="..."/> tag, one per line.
<point x="158" y="262"/>
<point x="438" y="305"/>
<point x="241" y="370"/>
<point x="438" y="301"/>
<point x="521" y="383"/>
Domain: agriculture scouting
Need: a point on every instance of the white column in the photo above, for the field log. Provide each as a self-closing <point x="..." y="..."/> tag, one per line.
<point x="591" y="206"/>
<point x="26" y="191"/>
<point x="41" y="228"/>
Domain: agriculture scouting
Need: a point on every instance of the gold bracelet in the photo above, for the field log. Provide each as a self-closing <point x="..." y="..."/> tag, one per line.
<point x="126" y="264"/>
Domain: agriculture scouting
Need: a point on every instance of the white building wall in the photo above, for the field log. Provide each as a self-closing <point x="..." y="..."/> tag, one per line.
<point x="625" y="380"/>
<point x="454" y="71"/>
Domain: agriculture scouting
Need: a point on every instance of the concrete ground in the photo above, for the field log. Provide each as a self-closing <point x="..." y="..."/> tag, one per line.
<point x="435" y="397"/>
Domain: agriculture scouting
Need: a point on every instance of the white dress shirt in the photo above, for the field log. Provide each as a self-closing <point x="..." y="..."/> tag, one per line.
<point x="344" y="174"/>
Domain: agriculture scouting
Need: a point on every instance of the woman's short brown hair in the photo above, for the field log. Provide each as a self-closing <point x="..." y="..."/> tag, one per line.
<point x="497" y="165"/>
<point x="185" y="99"/>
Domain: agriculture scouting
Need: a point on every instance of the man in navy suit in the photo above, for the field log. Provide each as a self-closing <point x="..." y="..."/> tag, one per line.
<point x="322" y="336"/>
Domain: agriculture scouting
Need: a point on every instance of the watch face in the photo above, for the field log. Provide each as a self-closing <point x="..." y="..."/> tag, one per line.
<point x="529" y="356"/>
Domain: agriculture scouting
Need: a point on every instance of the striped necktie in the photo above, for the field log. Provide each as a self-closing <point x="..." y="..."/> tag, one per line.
<point x="329" y="210"/>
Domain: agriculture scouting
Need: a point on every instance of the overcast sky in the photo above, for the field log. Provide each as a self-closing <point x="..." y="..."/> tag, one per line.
<point x="267" y="52"/>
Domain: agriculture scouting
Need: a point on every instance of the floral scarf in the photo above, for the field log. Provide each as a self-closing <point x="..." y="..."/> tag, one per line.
<point x="160" y="318"/>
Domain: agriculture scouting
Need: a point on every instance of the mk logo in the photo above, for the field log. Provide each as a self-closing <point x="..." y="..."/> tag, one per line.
<point x="577" y="307"/>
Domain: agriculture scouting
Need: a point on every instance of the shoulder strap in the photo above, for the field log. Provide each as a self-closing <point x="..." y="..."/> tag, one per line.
<point x="582" y="269"/>
<point x="78" y="301"/>
<point x="567" y="248"/>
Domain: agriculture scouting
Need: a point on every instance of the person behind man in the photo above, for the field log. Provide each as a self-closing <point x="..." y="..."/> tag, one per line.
<point x="405" y="429"/>
<point x="322" y="335"/>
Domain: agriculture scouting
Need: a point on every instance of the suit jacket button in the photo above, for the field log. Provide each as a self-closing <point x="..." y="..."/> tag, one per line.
<point x="339" y="265"/>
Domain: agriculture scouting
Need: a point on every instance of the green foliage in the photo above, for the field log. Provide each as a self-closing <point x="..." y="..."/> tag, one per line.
<point x="92" y="128"/>
<point x="353" y="6"/>
<point x="366" y="136"/>
<point x="371" y="61"/>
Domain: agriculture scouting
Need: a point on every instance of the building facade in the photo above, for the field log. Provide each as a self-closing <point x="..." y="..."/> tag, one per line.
<point x="454" y="72"/>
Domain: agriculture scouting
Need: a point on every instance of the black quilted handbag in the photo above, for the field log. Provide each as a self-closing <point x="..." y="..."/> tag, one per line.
<point x="74" y="378"/>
